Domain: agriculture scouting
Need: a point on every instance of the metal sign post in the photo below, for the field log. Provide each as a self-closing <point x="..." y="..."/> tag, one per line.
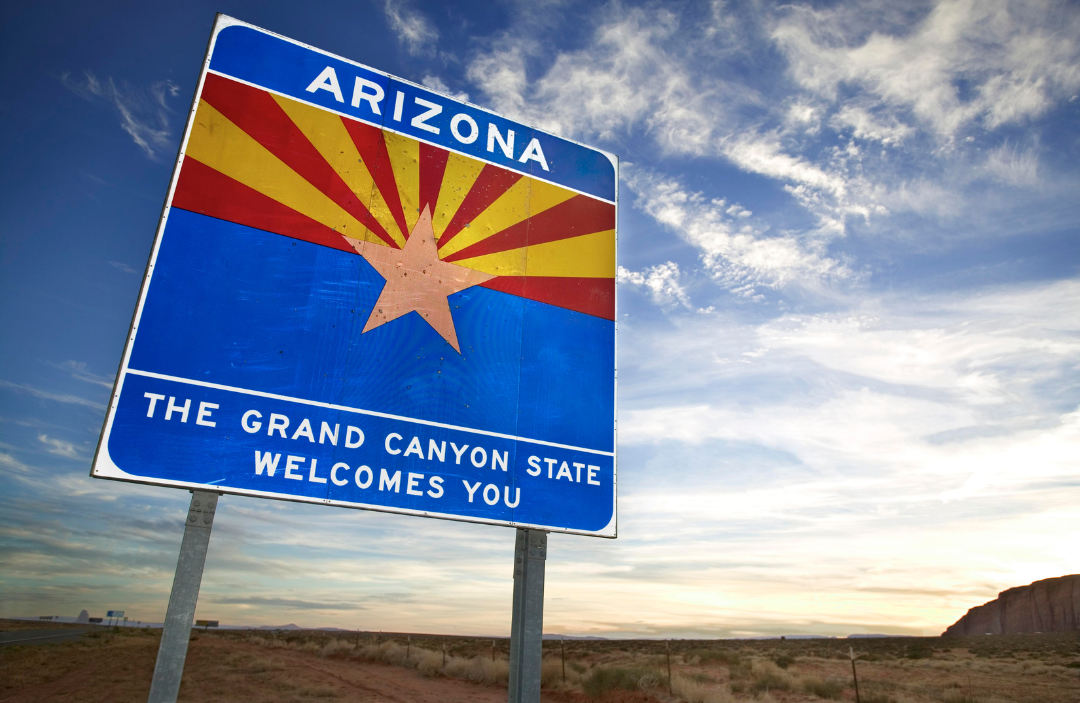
<point x="527" y="623"/>
<point x="185" y="593"/>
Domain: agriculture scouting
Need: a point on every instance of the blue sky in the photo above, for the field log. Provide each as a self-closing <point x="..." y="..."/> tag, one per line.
<point x="849" y="347"/>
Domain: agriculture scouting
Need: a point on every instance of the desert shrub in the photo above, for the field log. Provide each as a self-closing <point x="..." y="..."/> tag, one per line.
<point x="478" y="669"/>
<point x="1073" y="665"/>
<point x="335" y="646"/>
<point x="550" y="673"/>
<point x="783" y="661"/>
<point x="603" y="679"/>
<point x="693" y="691"/>
<point x="770" y="677"/>
<point x="823" y="688"/>
<point x="427" y="662"/>
<point x="711" y="656"/>
<point x="876" y="697"/>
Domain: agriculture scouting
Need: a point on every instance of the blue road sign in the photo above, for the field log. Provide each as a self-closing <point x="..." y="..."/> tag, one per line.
<point x="367" y="294"/>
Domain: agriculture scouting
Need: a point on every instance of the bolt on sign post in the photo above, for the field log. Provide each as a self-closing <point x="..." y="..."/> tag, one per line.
<point x="364" y="293"/>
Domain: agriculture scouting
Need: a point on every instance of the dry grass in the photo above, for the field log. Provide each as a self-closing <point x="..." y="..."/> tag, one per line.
<point x="899" y="670"/>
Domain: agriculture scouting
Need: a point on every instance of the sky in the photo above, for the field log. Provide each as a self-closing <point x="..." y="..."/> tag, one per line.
<point x="849" y="347"/>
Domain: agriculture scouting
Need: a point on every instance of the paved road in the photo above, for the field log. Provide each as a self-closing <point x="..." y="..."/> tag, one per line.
<point x="40" y="636"/>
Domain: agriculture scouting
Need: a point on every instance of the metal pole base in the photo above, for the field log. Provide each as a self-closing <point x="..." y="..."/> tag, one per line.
<point x="527" y="625"/>
<point x="185" y="593"/>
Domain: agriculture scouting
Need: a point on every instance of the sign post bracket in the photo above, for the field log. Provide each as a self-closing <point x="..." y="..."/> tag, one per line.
<point x="527" y="623"/>
<point x="185" y="594"/>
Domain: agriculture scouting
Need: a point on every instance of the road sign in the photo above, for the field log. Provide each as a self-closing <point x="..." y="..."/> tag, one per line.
<point x="365" y="293"/>
<point x="115" y="614"/>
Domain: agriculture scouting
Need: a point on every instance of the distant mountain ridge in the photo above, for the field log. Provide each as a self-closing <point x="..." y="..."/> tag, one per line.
<point x="1049" y="605"/>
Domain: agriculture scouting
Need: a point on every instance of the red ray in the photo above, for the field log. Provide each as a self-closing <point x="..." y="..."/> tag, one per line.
<point x="592" y="296"/>
<point x="572" y="218"/>
<point x="489" y="185"/>
<point x="259" y="115"/>
<point x="432" y="167"/>
<point x="369" y="142"/>
<point x="203" y="190"/>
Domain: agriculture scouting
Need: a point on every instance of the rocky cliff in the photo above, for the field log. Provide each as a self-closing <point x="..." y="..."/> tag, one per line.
<point x="1050" y="605"/>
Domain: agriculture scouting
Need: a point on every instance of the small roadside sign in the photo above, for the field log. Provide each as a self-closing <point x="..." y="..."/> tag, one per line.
<point x="368" y="294"/>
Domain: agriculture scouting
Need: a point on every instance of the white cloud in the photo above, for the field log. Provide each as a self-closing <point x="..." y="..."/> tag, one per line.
<point x="413" y="30"/>
<point x="624" y="77"/>
<point x="436" y="83"/>
<point x="1010" y="164"/>
<point x="967" y="62"/>
<point x="46" y="395"/>
<point x="144" y="115"/>
<point x="78" y="371"/>
<point x="734" y="251"/>
<point x="10" y="462"/>
<point x="886" y="129"/>
<point x="59" y="447"/>
<point x="122" y="267"/>
<point x="661" y="282"/>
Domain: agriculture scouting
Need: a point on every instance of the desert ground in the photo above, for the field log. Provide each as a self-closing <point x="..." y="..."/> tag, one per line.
<point x="115" y="664"/>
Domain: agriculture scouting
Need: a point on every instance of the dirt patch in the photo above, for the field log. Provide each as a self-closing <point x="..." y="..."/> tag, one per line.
<point x="117" y="667"/>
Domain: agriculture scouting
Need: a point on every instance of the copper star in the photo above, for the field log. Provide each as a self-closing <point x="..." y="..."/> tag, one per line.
<point x="416" y="279"/>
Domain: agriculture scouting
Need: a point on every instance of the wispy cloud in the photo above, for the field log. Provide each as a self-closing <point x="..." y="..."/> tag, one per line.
<point x="46" y="395"/>
<point x="436" y="83"/>
<point x="122" y="267"/>
<point x="1013" y="59"/>
<point x="660" y="281"/>
<point x="78" y="371"/>
<point x="416" y="33"/>
<point x="734" y="250"/>
<point x="60" y="448"/>
<point x="10" y="462"/>
<point x="290" y="603"/>
<point x="144" y="114"/>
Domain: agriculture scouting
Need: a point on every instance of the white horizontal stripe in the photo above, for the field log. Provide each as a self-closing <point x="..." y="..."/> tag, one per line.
<point x="331" y="406"/>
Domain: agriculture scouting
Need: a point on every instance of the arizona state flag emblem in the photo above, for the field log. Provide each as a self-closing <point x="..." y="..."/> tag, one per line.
<point x="367" y="294"/>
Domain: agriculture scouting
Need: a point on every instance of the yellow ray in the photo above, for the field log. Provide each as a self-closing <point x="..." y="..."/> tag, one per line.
<point x="458" y="179"/>
<point x="327" y="133"/>
<point x="218" y="143"/>
<point x="510" y="207"/>
<point x="587" y="256"/>
<point x="545" y="195"/>
<point x="404" y="156"/>
<point x="525" y="198"/>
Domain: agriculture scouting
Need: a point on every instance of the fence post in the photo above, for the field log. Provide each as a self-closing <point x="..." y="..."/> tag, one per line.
<point x="854" y="675"/>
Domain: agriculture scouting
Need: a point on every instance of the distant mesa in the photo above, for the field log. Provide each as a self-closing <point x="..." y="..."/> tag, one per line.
<point x="1049" y="605"/>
